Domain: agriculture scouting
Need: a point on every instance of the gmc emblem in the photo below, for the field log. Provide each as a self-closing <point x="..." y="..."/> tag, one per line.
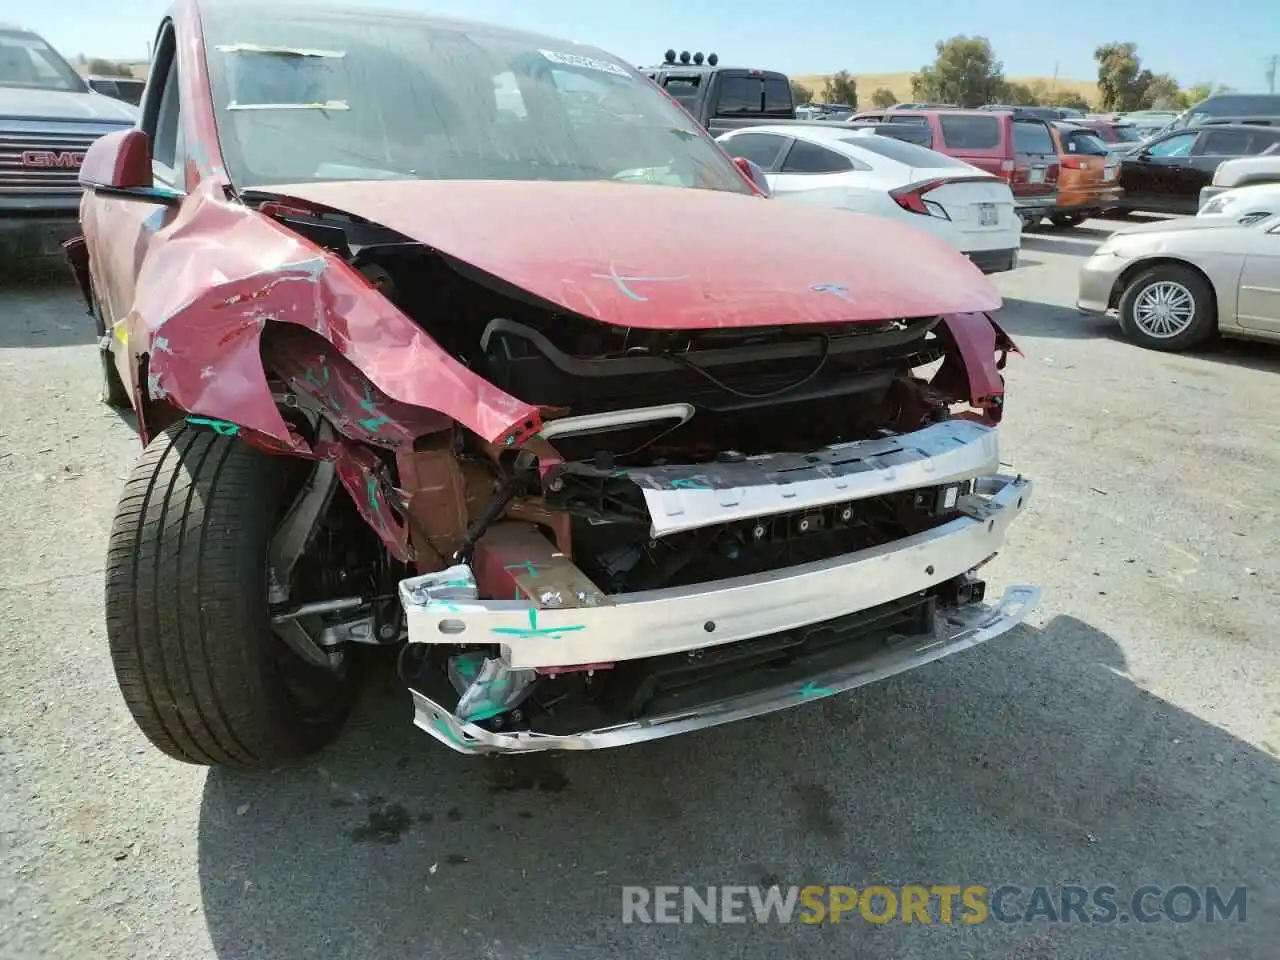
<point x="66" y="159"/>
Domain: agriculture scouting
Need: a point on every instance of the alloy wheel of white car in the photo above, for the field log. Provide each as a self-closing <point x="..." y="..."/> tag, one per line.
<point x="1164" y="309"/>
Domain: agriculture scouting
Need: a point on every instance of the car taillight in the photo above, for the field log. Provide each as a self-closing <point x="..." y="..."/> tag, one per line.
<point x="911" y="198"/>
<point x="1006" y="169"/>
<point x="1075" y="163"/>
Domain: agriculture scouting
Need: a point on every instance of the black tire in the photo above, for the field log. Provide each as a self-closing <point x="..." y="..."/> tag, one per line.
<point x="1064" y="221"/>
<point x="1204" y="320"/>
<point x="188" y="621"/>
<point x="114" y="393"/>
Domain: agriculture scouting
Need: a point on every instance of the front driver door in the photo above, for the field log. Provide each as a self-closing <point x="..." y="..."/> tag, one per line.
<point x="1258" y="306"/>
<point x="1147" y="177"/>
<point x="124" y="228"/>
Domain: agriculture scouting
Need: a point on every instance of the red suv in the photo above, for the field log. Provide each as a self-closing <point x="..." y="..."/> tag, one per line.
<point x="1015" y="148"/>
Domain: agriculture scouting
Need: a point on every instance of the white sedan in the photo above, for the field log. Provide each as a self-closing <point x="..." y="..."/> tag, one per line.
<point x="1244" y="204"/>
<point x="867" y="173"/>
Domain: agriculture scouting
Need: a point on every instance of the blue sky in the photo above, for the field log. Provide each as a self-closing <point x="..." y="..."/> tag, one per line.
<point x="1225" y="41"/>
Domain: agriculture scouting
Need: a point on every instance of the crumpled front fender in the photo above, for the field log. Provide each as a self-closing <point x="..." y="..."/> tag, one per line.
<point x="223" y="288"/>
<point x="221" y="272"/>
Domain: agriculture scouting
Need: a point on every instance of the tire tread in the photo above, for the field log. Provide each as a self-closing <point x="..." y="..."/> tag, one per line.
<point x="186" y="612"/>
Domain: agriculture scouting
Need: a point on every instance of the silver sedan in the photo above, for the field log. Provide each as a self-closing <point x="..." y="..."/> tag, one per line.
<point x="1176" y="283"/>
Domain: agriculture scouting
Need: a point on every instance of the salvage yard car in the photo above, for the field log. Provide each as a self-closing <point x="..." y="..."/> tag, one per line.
<point x="1174" y="284"/>
<point x="423" y="355"/>
<point x="854" y="169"/>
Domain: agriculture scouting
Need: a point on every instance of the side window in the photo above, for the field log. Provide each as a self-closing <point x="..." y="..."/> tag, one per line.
<point x="808" y="157"/>
<point x="739" y="95"/>
<point x="761" y="149"/>
<point x="1032" y="136"/>
<point x="1263" y="141"/>
<point x="166" y="148"/>
<point x="160" y="114"/>
<point x="1177" y="146"/>
<point x="1224" y="143"/>
<point x="962" y="131"/>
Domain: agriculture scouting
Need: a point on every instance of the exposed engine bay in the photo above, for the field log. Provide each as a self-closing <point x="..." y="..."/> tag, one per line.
<point x="772" y="422"/>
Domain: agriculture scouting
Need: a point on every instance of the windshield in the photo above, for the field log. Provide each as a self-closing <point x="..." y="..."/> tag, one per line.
<point x="317" y="96"/>
<point x="27" y="61"/>
<point x="1127" y="134"/>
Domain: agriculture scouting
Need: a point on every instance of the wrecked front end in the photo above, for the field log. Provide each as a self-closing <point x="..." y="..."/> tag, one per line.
<point x="587" y="533"/>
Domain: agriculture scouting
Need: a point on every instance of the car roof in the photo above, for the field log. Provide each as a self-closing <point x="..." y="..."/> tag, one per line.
<point x="835" y="135"/>
<point x="360" y="11"/>
<point x="817" y="131"/>
<point x="1242" y="127"/>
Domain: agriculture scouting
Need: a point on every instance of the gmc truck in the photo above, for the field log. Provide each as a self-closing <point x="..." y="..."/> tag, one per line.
<point x="48" y="118"/>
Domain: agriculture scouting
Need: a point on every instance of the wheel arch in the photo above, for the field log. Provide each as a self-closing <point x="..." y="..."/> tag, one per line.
<point x="1142" y="266"/>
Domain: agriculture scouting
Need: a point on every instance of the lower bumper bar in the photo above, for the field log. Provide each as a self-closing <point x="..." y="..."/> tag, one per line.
<point x="957" y="630"/>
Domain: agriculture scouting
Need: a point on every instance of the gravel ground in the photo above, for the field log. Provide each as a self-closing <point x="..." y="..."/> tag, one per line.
<point x="1128" y="735"/>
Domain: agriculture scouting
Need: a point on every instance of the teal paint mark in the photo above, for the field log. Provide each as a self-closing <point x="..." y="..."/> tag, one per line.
<point x="375" y="419"/>
<point x="691" y="483"/>
<point x="322" y="384"/>
<point x="221" y="427"/>
<point x="466" y="668"/>
<point x="534" y="631"/>
<point x="371" y="491"/>
<point x="456" y="584"/>
<point x="811" y="689"/>
<point x="485" y="712"/>
<point x="528" y="566"/>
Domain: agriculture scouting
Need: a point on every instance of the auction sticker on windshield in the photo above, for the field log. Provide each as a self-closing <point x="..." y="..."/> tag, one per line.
<point x="584" y="63"/>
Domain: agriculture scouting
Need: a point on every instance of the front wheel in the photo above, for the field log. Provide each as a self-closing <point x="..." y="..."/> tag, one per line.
<point x="206" y="678"/>
<point x="1168" y="308"/>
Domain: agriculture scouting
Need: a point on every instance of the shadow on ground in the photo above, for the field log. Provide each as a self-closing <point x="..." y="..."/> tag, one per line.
<point x="42" y="306"/>
<point x="1036" y="748"/>
<point x="1082" y="247"/>
<point x="1031" y="318"/>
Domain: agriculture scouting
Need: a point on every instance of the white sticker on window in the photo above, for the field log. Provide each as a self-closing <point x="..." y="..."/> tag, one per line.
<point x="584" y="63"/>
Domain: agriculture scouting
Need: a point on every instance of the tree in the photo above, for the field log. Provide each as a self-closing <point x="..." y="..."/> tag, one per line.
<point x="1123" y="83"/>
<point x="1068" y="98"/>
<point x="883" y="98"/>
<point x="1020" y="95"/>
<point x="800" y="93"/>
<point x="107" y="68"/>
<point x="840" y="88"/>
<point x="1159" y="92"/>
<point x="1197" y="92"/>
<point x="965" y="72"/>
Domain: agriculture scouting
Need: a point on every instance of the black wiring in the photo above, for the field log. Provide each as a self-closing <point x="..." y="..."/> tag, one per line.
<point x="822" y="362"/>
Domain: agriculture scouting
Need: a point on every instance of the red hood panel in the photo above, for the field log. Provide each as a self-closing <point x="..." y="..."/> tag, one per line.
<point x="671" y="258"/>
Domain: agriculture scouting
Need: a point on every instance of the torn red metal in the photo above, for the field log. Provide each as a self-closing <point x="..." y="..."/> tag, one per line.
<point x="977" y="354"/>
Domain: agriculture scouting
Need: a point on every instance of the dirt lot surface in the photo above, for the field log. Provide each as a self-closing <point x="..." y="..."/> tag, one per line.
<point x="1128" y="735"/>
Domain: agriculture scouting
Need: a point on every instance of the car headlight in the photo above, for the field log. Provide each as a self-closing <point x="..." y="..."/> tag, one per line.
<point x="1210" y="207"/>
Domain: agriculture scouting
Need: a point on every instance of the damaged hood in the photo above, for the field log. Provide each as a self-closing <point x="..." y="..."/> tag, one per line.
<point x="665" y="258"/>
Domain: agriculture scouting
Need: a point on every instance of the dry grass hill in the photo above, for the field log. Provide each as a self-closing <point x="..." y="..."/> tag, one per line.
<point x="900" y="84"/>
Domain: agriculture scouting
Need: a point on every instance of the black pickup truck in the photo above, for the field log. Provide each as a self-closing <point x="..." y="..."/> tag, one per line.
<point x="725" y="98"/>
